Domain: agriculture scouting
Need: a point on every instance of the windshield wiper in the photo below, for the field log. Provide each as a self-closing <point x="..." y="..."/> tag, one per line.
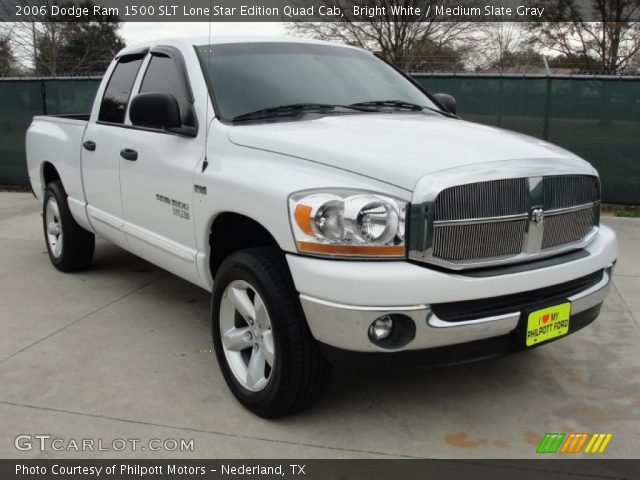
<point x="391" y="104"/>
<point x="296" y="109"/>
<point x="400" y="105"/>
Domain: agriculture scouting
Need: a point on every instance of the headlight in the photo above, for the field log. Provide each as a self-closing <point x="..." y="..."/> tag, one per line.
<point x="348" y="223"/>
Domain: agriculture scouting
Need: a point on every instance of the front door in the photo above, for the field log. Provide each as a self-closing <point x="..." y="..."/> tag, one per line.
<point x="157" y="177"/>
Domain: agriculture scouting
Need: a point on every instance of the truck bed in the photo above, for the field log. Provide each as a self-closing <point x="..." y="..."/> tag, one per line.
<point x="66" y="118"/>
<point x="57" y="139"/>
<point x="72" y="116"/>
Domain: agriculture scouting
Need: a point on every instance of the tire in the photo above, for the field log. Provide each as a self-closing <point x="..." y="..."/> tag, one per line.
<point x="69" y="245"/>
<point x="298" y="372"/>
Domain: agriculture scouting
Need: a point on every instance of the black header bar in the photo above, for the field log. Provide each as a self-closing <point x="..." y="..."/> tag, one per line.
<point x="317" y="10"/>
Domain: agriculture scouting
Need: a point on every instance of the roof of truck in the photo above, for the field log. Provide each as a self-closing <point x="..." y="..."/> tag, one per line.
<point x="188" y="42"/>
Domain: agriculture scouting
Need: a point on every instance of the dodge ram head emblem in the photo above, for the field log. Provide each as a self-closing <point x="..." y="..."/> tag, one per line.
<point x="537" y="215"/>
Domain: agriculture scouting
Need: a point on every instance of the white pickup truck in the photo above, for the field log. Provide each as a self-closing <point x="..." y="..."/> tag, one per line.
<point x="336" y="211"/>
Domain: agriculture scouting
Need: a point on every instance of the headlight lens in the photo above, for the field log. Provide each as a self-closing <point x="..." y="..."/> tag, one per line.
<point x="348" y="223"/>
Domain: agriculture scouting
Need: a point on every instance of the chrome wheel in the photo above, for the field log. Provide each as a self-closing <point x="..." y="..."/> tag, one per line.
<point x="247" y="339"/>
<point x="53" y="225"/>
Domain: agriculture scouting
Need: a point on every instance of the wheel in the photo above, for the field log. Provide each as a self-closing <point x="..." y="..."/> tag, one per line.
<point x="267" y="355"/>
<point x="69" y="245"/>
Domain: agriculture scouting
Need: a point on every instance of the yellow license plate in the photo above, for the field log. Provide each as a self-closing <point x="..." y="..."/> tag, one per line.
<point x="548" y="323"/>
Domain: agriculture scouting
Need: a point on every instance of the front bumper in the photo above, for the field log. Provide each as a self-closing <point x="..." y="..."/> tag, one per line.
<point x="446" y="355"/>
<point x="354" y="294"/>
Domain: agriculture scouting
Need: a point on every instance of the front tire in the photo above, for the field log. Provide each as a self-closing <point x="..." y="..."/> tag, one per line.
<point x="69" y="245"/>
<point x="267" y="355"/>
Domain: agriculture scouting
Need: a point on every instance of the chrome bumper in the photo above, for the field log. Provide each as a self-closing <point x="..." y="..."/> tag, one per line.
<point x="345" y="326"/>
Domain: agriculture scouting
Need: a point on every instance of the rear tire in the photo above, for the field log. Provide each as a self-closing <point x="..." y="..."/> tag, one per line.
<point x="69" y="245"/>
<point x="257" y="317"/>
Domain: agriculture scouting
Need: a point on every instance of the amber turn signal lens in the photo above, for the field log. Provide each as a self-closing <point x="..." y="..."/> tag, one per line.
<point x="356" y="250"/>
<point x="303" y="219"/>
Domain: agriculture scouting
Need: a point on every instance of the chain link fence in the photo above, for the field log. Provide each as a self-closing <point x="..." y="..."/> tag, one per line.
<point x="596" y="117"/>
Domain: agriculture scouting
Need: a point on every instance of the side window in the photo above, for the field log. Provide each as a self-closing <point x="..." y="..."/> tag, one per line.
<point x="116" y="95"/>
<point x="163" y="75"/>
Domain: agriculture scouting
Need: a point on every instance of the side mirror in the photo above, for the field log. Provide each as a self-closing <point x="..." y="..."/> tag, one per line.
<point x="447" y="101"/>
<point x="155" y="110"/>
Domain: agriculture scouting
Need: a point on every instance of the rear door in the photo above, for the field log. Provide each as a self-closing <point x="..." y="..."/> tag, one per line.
<point x="157" y="186"/>
<point x="101" y="151"/>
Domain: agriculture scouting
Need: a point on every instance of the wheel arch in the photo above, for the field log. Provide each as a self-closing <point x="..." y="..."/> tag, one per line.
<point x="49" y="173"/>
<point x="230" y="232"/>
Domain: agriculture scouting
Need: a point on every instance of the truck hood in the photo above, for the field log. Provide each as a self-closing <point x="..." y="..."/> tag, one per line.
<point x="395" y="148"/>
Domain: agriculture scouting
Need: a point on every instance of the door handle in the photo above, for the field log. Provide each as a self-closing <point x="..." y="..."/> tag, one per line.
<point x="89" y="145"/>
<point x="129" y="154"/>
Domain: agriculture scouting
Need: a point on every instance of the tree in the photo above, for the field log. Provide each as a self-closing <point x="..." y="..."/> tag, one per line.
<point x="7" y="59"/>
<point x="429" y="56"/>
<point x="395" y="37"/>
<point x="78" y="48"/>
<point x="511" y="60"/>
<point x="611" y="41"/>
<point x="500" y="47"/>
<point x="47" y="40"/>
<point x="576" y="62"/>
<point x="81" y="47"/>
<point x="634" y="64"/>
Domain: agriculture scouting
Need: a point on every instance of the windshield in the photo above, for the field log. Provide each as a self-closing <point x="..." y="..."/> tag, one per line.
<point x="248" y="77"/>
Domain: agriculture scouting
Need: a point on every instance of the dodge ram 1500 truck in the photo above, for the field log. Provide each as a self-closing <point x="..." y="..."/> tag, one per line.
<point x="336" y="210"/>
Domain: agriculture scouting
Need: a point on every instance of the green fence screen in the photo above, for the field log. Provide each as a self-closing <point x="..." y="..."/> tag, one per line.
<point x="597" y="118"/>
<point x="20" y="100"/>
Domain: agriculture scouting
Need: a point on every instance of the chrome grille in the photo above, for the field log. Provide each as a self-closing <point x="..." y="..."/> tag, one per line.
<point x="497" y="198"/>
<point x="568" y="227"/>
<point x="565" y="191"/>
<point x="479" y="240"/>
<point x="504" y="220"/>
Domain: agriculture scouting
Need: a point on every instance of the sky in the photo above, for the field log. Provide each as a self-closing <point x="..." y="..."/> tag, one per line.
<point x="138" y="32"/>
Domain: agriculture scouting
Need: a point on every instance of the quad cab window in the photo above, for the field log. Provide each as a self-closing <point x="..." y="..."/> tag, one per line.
<point x="164" y="75"/>
<point x="116" y="95"/>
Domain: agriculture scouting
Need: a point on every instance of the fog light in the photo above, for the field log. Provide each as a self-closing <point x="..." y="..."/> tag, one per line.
<point x="381" y="328"/>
